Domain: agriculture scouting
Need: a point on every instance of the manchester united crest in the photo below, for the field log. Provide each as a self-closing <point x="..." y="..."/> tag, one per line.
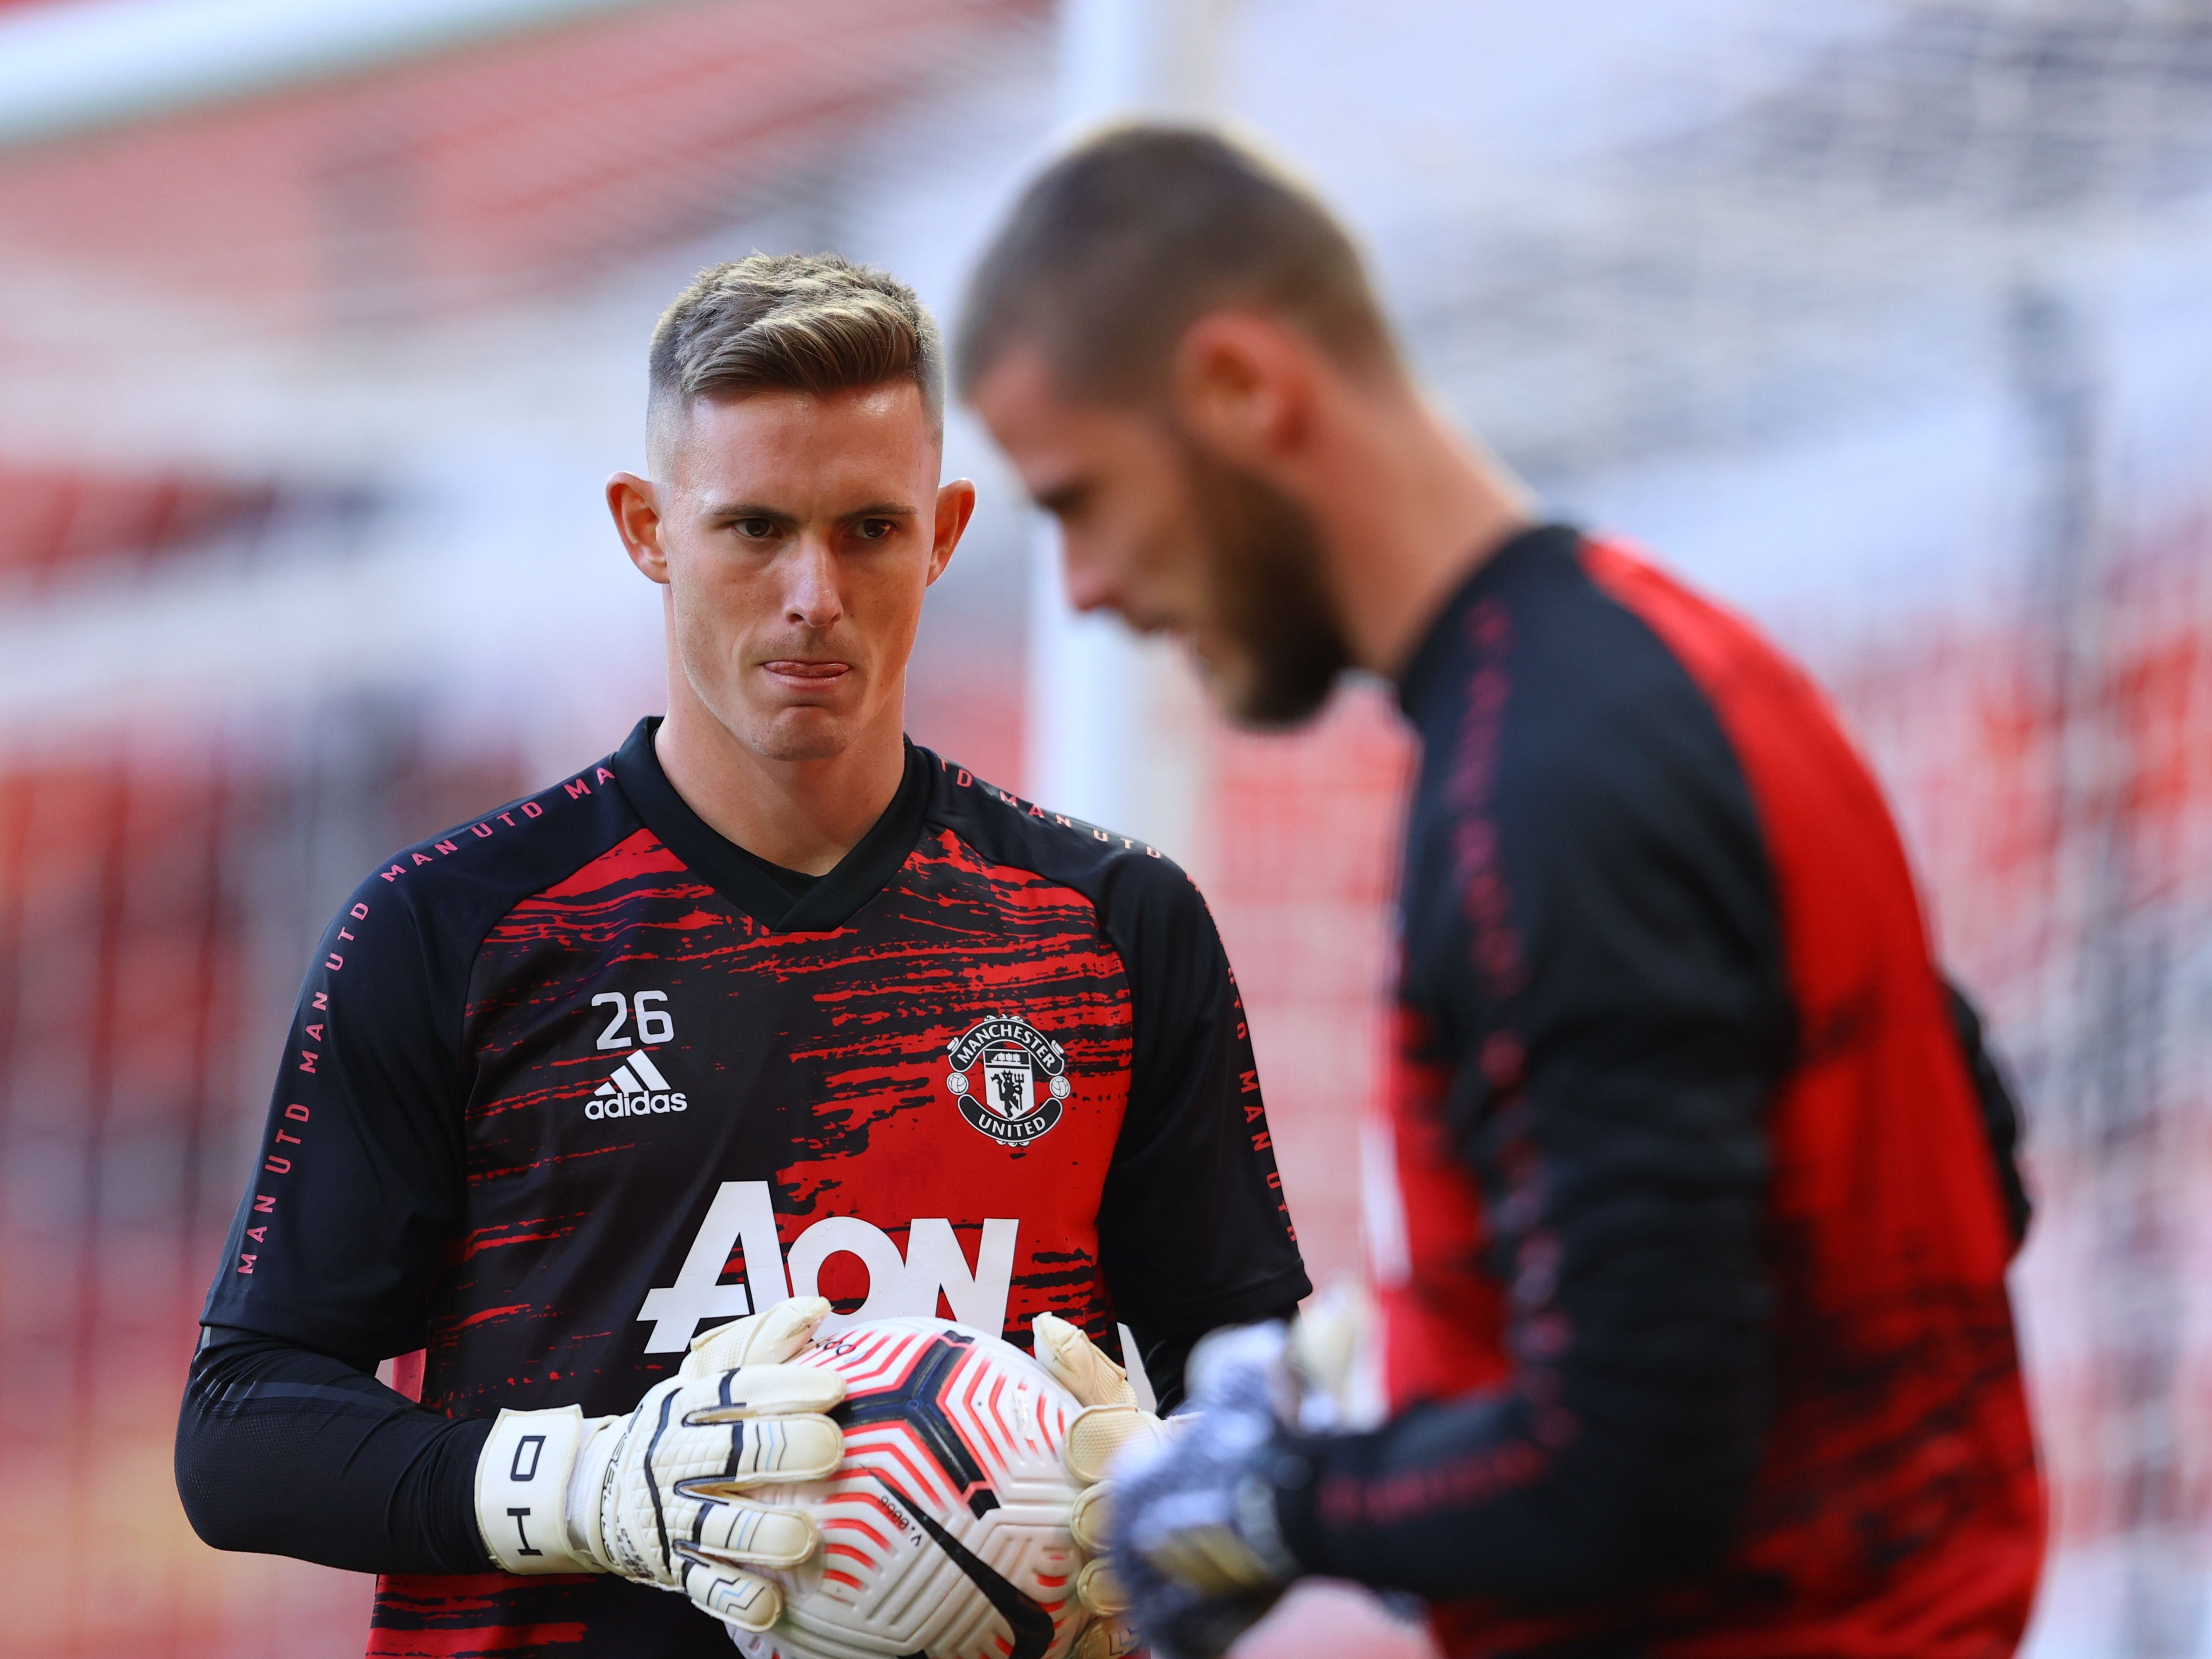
<point x="1016" y="1093"/>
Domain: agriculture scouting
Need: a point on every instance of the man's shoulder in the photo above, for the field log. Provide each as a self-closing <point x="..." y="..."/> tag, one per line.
<point x="461" y="879"/>
<point x="1015" y="833"/>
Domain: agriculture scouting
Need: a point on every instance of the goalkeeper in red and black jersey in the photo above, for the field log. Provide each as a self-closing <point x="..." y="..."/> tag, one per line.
<point x="1694" y="1191"/>
<point x="766" y="1021"/>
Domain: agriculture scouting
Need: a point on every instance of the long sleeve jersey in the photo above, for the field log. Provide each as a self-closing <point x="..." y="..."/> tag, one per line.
<point x="1692" y="1201"/>
<point x="568" y="1083"/>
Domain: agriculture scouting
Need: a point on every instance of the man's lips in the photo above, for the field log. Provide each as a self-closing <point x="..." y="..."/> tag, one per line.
<point x="806" y="671"/>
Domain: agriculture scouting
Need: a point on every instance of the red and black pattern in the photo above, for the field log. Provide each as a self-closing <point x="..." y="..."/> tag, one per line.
<point x="1692" y="1236"/>
<point x="558" y="1050"/>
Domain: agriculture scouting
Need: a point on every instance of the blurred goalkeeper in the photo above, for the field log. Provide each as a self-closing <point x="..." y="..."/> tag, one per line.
<point x="1694" y="1193"/>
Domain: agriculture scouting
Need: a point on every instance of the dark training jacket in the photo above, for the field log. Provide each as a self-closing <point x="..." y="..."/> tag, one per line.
<point x="1695" y="1193"/>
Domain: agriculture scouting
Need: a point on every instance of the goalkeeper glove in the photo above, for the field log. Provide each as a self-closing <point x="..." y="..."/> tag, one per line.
<point x="657" y="1495"/>
<point x="1110" y="1420"/>
<point x="1194" y="1540"/>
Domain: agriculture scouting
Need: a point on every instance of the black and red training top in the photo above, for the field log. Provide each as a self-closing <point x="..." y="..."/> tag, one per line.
<point x="570" y="1082"/>
<point x="1694" y="1195"/>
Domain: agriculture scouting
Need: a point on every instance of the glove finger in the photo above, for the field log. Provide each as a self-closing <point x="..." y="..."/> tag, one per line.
<point x="767" y="1448"/>
<point x="1089" y="1521"/>
<point x="1099" y="1590"/>
<point x="768" y="1337"/>
<point x="1098" y="1435"/>
<point x="1104" y="1638"/>
<point x="742" y="1600"/>
<point x="763" y="1391"/>
<point x="732" y="1532"/>
<point x="1079" y="1365"/>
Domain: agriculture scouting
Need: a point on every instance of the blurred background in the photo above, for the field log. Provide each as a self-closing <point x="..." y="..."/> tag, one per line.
<point x="322" y="322"/>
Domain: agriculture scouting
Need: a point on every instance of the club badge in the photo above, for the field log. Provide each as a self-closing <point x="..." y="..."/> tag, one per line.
<point x="1016" y="1093"/>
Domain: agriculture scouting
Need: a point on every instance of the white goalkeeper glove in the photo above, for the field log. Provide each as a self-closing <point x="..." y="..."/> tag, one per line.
<point x="656" y="1496"/>
<point x="1110" y="1420"/>
<point x="1194" y="1538"/>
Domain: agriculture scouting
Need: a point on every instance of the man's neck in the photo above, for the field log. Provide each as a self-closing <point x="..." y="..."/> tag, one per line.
<point x="801" y="815"/>
<point x="1409" y="506"/>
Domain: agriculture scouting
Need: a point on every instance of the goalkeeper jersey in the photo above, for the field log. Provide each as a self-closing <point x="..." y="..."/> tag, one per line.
<point x="1692" y="1204"/>
<point x="576" y="1078"/>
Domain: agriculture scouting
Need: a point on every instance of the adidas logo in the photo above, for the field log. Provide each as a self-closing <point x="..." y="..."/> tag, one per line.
<point x="636" y="1088"/>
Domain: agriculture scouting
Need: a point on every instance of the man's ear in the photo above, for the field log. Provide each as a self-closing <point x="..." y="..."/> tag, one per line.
<point x="1243" y="383"/>
<point x="956" y="505"/>
<point x="636" y="507"/>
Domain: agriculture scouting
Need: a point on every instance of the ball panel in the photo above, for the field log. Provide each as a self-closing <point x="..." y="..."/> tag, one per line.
<point x="945" y="1530"/>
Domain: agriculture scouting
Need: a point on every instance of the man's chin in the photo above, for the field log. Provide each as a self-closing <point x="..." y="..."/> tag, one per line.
<point x="804" y="734"/>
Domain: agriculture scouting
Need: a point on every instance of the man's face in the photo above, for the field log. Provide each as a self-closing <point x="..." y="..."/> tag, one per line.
<point x="796" y="534"/>
<point x="1174" y="540"/>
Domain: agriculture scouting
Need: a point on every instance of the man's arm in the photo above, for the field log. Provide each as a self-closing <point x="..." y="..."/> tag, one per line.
<point x="285" y="1443"/>
<point x="1193" y="1229"/>
<point x="1613" y="1037"/>
<point x="287" y="1451"/>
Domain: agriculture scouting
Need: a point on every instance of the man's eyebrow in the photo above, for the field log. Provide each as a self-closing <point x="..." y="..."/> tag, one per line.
<point x="730" y="512"/>
<point x="884" y="510"/>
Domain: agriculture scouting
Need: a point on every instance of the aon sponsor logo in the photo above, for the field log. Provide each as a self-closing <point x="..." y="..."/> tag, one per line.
<point x="909" y="1284"/>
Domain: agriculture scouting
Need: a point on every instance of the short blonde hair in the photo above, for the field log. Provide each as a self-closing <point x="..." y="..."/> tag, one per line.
<point x="804" y="322"/>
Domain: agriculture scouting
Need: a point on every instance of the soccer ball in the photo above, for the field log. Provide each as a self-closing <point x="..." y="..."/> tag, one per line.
<point x="945" y="1530"/>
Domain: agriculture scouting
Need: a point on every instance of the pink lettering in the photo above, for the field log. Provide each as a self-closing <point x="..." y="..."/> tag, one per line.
<point x="420" y="857"/>
<point x="277" y="1165"/>
<point x="393" y="873"/>
<point x="446" y="847"/>
<point x="343" y="934"/>
<point x="963" y="778"/>
<point x="507" y="818"/>
<point x="531" y="809"/>
<point x="579" y="787"/>
<point x="258" y="1235"/>
<point x="604" y="775"/>
<point x="334" y="961"/>
<point x="307" y="1060"/>
<point x="245" y="1262"/>
<point x="265" y="1203"/>
<point x="322" y="1001"/>
<point x="315" y="1031"/>
<point x="297" y="1113"/>
<point x="359" y="912"/>
<point x="1261" y="1141"/>
<point x="288" y="1140"/>
<point x="1249" y="1083"/>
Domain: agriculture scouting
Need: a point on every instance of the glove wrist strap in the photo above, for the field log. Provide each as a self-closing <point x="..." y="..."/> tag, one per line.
<point x="522" y="1490"/>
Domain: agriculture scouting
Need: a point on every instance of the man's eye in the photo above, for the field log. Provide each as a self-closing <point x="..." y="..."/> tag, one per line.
<point x="875" y="530"/>
<point x="755" y="529"/>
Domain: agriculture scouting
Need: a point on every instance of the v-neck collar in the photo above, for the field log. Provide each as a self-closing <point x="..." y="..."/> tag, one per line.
<point x="740" y="877"/>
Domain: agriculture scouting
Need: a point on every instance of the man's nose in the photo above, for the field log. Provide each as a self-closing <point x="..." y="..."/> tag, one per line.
<point x="1090" y="586"/>
<point x="810" y="594"/>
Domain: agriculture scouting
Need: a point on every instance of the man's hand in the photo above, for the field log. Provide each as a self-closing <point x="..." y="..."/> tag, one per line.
<point x="657" y="1496"/>
<point x="1193" y="1536"/>
<point x="1110" y="1420"/>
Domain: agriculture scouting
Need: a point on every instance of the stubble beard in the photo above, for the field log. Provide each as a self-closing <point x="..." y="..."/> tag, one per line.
<point x="1270" y="596"/>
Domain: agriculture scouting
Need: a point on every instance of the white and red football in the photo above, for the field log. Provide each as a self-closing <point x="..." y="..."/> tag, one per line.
<point x="945" y="1530"/>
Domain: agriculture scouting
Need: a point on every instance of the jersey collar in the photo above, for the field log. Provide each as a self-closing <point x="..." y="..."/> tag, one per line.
<point x="743" y="879"/>
<point x="1439" y="647"/>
